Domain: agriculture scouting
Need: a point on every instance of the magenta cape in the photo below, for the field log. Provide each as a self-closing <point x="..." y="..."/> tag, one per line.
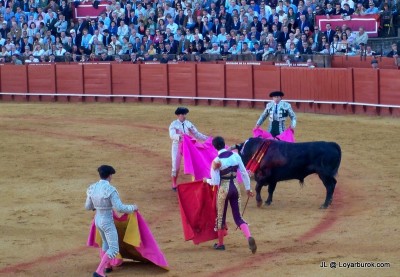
<point x="287" y="135"/>
<point x="197" y="157"/>
<point x="135" y="239"/>
<point x="197" y="203"/>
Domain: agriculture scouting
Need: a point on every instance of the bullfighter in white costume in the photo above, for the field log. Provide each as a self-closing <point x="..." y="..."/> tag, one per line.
<point x="177" y="129"/>
<point x="103" y="197"/>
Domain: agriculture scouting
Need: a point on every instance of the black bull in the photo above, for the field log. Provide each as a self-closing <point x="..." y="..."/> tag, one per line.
<point x="287" y="161"/>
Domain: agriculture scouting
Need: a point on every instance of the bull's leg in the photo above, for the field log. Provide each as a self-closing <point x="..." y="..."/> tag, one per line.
<point x="258" y="194"/>
<point x="271" y="189"/>
<point x="330" y="184"/>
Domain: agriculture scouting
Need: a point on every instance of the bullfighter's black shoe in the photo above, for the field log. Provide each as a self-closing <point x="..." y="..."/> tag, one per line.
<point x="252" y="245"/>
<point x="219" y="247"/>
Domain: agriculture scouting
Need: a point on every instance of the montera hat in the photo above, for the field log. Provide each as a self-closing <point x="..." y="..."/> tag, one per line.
<point x="181" y="110"/>
<point x="276" y="93"/>
<point x="105" y="171"/>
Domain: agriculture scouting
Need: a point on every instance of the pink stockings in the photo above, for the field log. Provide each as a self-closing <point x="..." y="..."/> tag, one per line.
<point x="104" y="262"/>
<point x="245" y="229"/>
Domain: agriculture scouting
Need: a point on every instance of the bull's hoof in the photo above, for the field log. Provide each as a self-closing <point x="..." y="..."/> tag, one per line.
<point x="268" y="203"/>
<point x="259" y="204"/>
<point x="326" y="204"/>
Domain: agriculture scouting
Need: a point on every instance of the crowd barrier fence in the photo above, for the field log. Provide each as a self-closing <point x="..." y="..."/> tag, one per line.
<point x="312" y="90"/>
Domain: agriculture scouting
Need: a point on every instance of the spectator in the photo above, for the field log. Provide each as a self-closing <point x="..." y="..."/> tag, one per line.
<point x="61" y="25"/>
<point x="393" y="53"/>
<point x="15" y="60"/>
<point x="165" y="58"/>
<point x="372" y="9"/>
<point x="118" y="59"/>
<point x="350" y="3"/>
<point x="60" y="50"/>
<point x="360" y="10"/>
<point x="31" y="59"/>
<point x="369" y="52"/>
<point x="52" y="58"/>
<point x="104" y="57"/>
<point x="310" y="63"/>
<point x="214" y="50"/>
<point x="374" y="64"/>
<point x="361" y="37"/>
<point x="325" y="49"/>
<point x="329" y="33"/>
<point x="347" y="11"/>
<point x="133" y="58"/>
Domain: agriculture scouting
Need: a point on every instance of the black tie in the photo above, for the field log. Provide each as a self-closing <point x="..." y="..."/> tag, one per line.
<point x="183" y="127"/>
<point x="276" y="108"/>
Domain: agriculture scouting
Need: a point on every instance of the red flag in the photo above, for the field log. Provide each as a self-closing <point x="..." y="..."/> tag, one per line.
<point x="197" y="202"/>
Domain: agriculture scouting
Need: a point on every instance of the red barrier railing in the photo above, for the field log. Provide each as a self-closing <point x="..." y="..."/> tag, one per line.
<point x="325" y="90"/>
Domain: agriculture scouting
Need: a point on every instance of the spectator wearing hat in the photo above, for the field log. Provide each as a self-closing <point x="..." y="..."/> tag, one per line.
<point x="277" y="111"/>
<point x="372" y="9"/>
<point x="103" y="197"/>
<point x="177" y="130"/>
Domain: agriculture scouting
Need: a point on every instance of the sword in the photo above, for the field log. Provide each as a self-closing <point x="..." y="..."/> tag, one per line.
<point x="244" y="209"/>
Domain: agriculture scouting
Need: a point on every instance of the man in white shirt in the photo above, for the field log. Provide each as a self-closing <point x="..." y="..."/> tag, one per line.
<point x="60" y="50"/>
<point x="177" y="129"/>
<point x="171" y="24"/>
<point x="31" y="59"/>
<point x="223" y="174"/>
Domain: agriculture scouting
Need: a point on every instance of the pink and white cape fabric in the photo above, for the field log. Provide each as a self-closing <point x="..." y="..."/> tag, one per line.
<point x="137" y="242"/>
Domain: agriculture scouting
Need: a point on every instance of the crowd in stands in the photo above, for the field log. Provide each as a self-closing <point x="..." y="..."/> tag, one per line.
<point x="163" y="30"/>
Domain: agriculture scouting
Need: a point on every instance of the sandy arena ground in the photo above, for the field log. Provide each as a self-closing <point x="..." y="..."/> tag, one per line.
<point x="50" y="153"/>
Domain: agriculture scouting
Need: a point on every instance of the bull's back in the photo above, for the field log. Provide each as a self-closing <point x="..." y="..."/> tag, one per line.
<point x="298" y="160"/>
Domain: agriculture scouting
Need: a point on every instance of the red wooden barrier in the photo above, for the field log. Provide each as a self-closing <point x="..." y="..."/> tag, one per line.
<point x="97" y="80"/>
<point x="154" y="80"/>
<point x="14" y="79"/>
<point x="337" y="61"/>
<point x="239" y="84"/>
<point x="366" y="89"/>
<point x="182" y="82"/>
<point x="389" y="84"/>
<point x="361" y="62"/>
<point x="332" y="85"/>
<point x="265" y="80"/>
<point x="333" y="91"/>
<point x="69" y="80"/>
<point x="42" y="79"/>
<point x="297" y="84"/>
<point x="125" y="80"/>
<point x="211" y="83"/>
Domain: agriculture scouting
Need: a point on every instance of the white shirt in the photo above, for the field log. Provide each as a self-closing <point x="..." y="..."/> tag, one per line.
<point x="186" y="127"/>
<point x="233" y="160"/>
<point x="173" y="27"/>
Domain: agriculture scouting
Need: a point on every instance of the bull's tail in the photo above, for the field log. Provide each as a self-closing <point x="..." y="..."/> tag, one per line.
<point x="339" y="158"/>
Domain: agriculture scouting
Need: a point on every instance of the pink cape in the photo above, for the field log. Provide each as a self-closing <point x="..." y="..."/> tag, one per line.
<point x="148" y="248"/>
<point x="287" y="135"/>
<point x="197" y="157"/>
